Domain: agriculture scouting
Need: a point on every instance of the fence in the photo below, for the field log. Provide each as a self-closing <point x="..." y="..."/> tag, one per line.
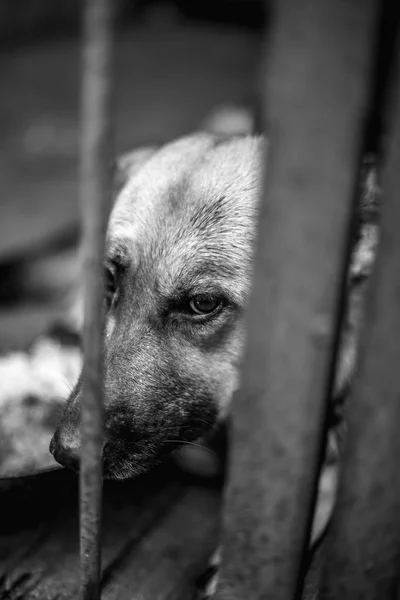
<point x="318" y="94"/>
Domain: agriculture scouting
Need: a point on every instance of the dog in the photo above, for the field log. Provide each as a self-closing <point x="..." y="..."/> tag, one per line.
<point x="178" y="265"/>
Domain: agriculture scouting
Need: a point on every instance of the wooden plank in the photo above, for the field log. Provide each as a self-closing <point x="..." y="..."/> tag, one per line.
<point x="316" y="93"/>
<point x="363" y="555"/>
<point x="158" y="533"/>
<point x="167" y="562"/>
<point x="40" y="558"/>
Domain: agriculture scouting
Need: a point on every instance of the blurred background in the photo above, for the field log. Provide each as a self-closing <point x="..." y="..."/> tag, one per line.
<point x="176" y="64"/>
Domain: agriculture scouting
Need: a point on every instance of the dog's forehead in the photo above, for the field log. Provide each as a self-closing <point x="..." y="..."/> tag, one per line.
<point x="197" y="191"/>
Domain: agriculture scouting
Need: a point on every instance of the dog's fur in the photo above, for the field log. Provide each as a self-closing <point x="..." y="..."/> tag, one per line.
<point x="182" y="227"/>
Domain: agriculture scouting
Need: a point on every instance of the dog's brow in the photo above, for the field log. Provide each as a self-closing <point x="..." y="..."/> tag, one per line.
<point x="212" y="279"/>
<point x="212" y="271"/>
<point x="117" y="251"/>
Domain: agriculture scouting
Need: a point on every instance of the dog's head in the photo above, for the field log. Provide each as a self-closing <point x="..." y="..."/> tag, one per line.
<point x="178" y="270"/>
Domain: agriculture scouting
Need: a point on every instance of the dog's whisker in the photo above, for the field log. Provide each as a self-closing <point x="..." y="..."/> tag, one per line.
<point x="184" y="442"/>
<point x="60" y="399"/>
<point x="69" y="383"/>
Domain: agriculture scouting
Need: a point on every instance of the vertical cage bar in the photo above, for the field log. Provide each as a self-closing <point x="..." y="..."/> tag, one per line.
<point x="363" y="548"/>
<point x="319" y="59"/>
<point x="389" y="25"/>
<point x="96" y="190"/>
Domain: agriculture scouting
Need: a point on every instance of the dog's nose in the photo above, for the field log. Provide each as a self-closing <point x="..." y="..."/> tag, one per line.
<point x="65" y="450"/>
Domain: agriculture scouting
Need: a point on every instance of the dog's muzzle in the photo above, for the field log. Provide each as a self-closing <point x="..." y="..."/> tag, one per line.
<point x="66" y="450"/>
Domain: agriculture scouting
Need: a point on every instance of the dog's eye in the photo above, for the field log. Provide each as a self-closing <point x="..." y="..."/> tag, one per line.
<point x="110" y="286"/>
<point x="202" y="305"/>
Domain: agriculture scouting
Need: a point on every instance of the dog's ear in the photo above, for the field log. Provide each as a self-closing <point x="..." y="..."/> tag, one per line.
<point x="129" y="163"/>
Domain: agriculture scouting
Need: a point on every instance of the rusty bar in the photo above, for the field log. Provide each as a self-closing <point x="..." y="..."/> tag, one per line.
<point x="363" y="553"/>
<point x="96" y="190"/>
<point x="319" y="70"/>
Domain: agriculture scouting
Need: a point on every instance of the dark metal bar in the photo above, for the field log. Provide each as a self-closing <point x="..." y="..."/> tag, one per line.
<point x="363" y="554"/>
<point x="96" y="191"/>
<point x="389" y="26"/>
<point x="320" y="57"/>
